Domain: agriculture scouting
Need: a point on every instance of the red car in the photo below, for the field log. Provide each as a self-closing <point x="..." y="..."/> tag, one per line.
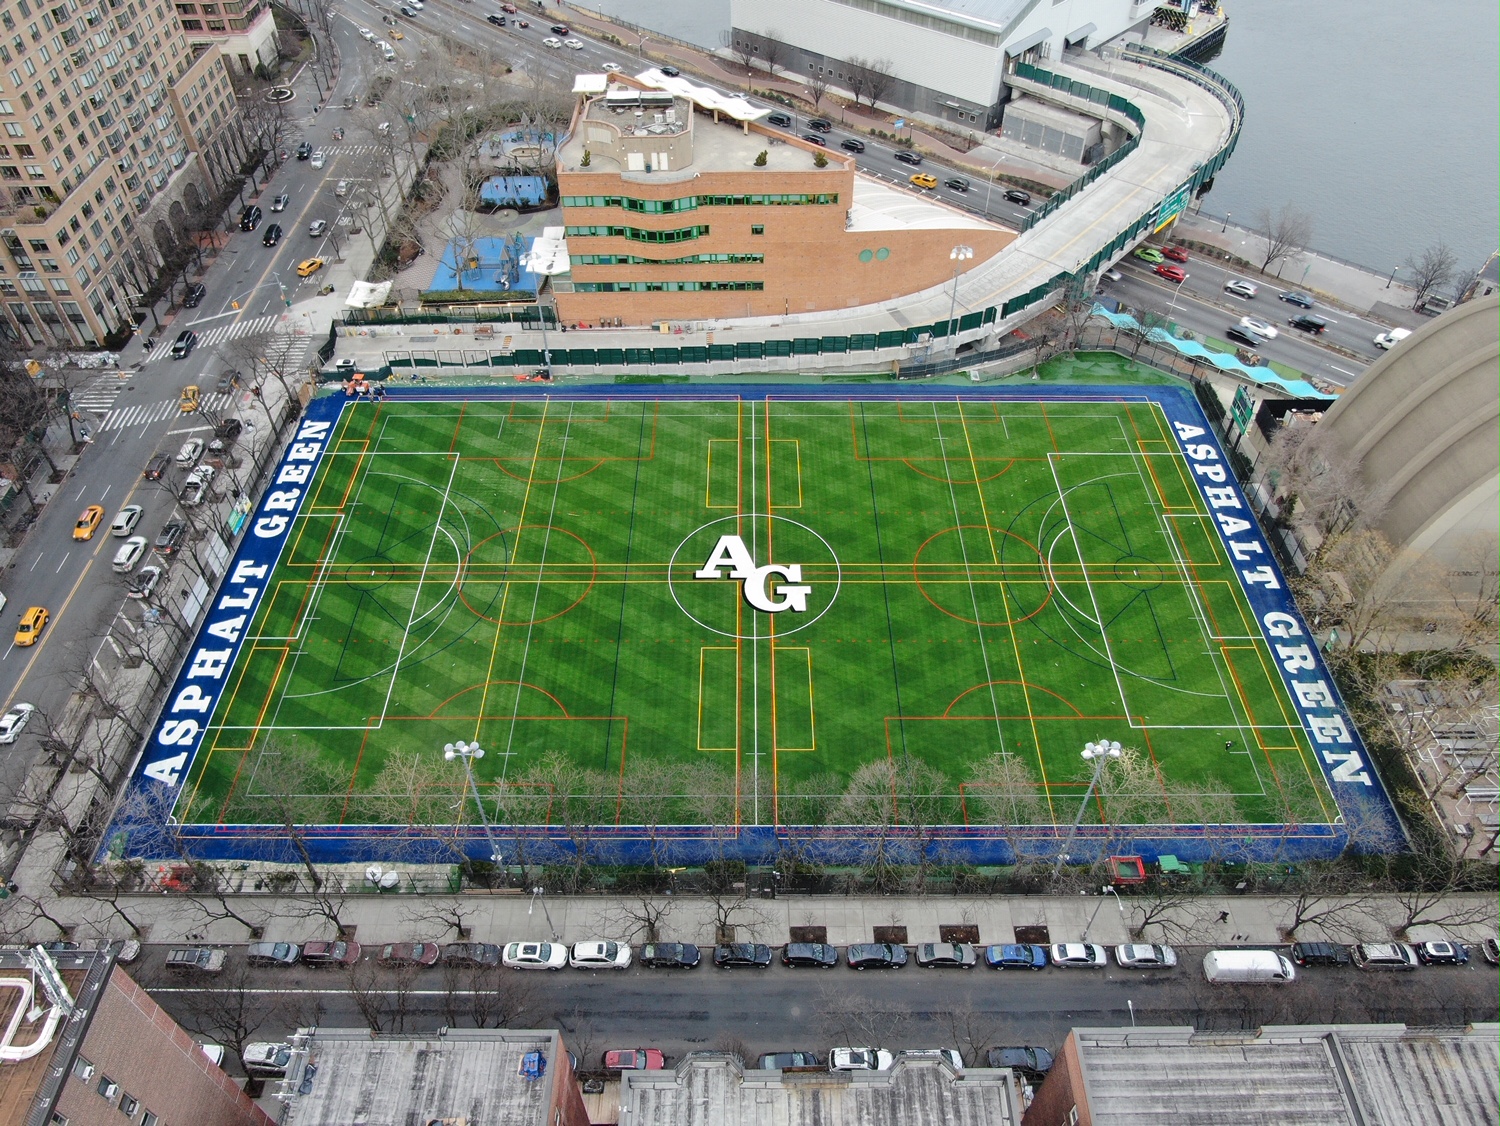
<point x="330" y="953"/>
<point x="634" y="1059"/>
<point x="1175" y="253"/>
<point x="410" y="954"/>
<point x="1172" y="273"/>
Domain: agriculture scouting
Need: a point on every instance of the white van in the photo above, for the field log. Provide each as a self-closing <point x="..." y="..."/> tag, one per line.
<point x="1388" y="340"/>
<point x="1252" y="967"/>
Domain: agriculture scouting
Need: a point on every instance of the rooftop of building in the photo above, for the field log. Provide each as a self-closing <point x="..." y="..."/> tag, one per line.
<point x="1317" y="1075"/>
<point x="710" y="1089"/>
<point x="472" y="1074"/>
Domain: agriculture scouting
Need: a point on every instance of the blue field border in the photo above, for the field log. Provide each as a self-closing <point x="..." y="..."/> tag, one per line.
<point x="146" y="827"/>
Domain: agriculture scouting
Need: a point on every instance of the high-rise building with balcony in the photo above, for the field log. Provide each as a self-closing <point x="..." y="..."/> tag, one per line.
<point x="243" y="30"/>
<point x="115" y="128"/>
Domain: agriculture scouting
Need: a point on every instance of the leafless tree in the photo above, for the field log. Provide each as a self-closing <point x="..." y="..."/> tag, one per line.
<point x="230" y="1008"/>
<point x="881" y="76"/>
<point x="370" y="995"/>
<point x="1148" y="320"/>
<point x="1317" y="482"/>
<point x="1077" y="306"/>
<point x="743" y="50"/>
<point x="1332" y="901"/>
<point x="1286" y="231"/>
<point x="817" y="87"/>
<point x="898" y="802"/>
<point x="730" y="1042"/>
<point x="857" y="71"/>
<point x="973" y="1028"/>
<point x="639" y="918"/>
<point x="1431" y="270"/>
<point x="848" y="1019"/>
<point x="1177" y="916"/>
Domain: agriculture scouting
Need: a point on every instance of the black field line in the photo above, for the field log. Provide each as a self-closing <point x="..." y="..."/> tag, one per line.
<point x="635" y="492"/>
<point x="890" y="627"/>
<point x="958" y="522"/>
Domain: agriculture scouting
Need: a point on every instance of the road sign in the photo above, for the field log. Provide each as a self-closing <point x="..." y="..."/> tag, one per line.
<point x="1171" y="207"/>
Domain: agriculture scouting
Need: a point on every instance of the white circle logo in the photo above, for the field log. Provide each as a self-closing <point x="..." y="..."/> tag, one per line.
<point x="715" y="579"/>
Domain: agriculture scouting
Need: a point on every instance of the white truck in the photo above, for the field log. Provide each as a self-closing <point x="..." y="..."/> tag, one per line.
<point x="1388" y="340"/>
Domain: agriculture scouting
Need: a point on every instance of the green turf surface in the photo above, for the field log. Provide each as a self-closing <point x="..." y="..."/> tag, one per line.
<point x="503" y="572"/>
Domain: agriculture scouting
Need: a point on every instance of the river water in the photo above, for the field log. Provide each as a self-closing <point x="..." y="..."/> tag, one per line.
<point x="1381" y="120"/>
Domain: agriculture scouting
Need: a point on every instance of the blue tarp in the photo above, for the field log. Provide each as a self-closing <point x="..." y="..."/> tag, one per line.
<point x="1299" y="388"/>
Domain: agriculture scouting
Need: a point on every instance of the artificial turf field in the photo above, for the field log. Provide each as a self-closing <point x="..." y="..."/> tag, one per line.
<point x="990" y="586"/>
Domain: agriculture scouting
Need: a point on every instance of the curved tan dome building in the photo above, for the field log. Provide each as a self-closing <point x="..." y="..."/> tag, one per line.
<point x="1424" y="422"/>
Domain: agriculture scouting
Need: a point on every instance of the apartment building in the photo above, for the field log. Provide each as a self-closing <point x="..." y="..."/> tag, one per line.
<point x="115" y="126"/>
<point x="243" y="30"/>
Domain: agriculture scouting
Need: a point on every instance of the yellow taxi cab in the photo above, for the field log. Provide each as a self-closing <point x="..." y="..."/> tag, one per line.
<point x="397" y="34"/>
<point x="189" y="400"/>
<point x="88" y="523"/>
<point x="308" y="267"/>
<point x="31" y="624"/>
<point x="924" y="180"/>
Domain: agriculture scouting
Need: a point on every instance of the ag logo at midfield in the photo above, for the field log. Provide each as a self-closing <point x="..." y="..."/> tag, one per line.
<point x="716" y="580"/>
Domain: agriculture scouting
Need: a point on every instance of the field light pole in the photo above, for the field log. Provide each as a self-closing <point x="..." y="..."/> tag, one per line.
<point x="468" y="752"/>
<point x="1105" y="751"/>
<point x="958" y="256"/>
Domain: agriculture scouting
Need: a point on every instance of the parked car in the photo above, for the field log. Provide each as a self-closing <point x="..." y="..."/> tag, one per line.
<point x="1016" y="195"/>
<point x="1150" y="254"/>
<point x="600" y="956"/>
<point x="144" y="582"/>
<point x="1241" y="288"/>
<point x="670" y="955"/>
<point x="1245" y="336"/>
<point x="534" y="955"/>
<point x="13" y="722"/>
<point x="171" y="537"/>
<point x="214" y="1052"/>
<point x="272" y="235"/>
<point x="1025" y="956"/>
<point x="1260" y="327"/>
<point x="1319" y="954"/>
<point x="1174" y="253"/>
<point x="272" y="954"/>
<point x="1442" y="954"/>
<point x="88" y="522"/>
<point x="1087" y="954"/>
<point x="195" y="959"/>
<point x="1297" y="298"/>
<point x="1172" y="273"/>
<point x="1490" y="948"/>
<point x="742" y="954"/>
<point x="947" y="956"/>
<point x="634" y="1059"/>
<point x="906" y="156"/>
<point x="409" y="954"/>
<point x="1385" y="956"/>
<point x="280" y="202"/>
<point x="186" y="340"/>
<point x="30" y="627"/>
<point x="229" y="429"/>
<point x="471" y="954"/>
<point x="876" y="956"/>
<point x="1033" y="1063"/>
<point x="129" y="555"/>
<point x="189" y="452"/>
<point x="305" y="149"/>
<point x="1145" y="956"/>
<point x="267" y="1059"/>
<point x="952" y="1055"/>
<point x="850" y="144"/>
<point x="815" y="954"/>
<point x="195" y="294"/>
<point x="784" y="1061"/>
<point x="859" y="1059"/>
<point x="331" y="953"/>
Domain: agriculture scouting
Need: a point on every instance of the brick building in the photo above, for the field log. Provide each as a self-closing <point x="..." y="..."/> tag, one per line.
<point x="102" y="1053"/>
<point x="243" y="30"/>
<point x="116" y="129"/>
<point x="680" y="205"/>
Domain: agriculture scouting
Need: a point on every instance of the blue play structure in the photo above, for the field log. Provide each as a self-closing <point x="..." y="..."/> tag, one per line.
<point x="490" y="265"/>
<point x="524" y="193"/>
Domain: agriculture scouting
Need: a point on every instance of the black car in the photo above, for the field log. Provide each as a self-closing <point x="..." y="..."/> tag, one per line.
<point x="1245" y="335"/>
<point x="272" y="235"/>
<point x="477" y="954"/>
<point x="171" y="537"/>
<point x="229" y="429"/>
<point x="186" y="341"/>
<point x="876" y="956"/>
<point x="818" y="954"/>
<point x="561" y="29"/>
<point x="851" y="145"/>
<point x="1016" y="195"/>
<point x="498" y="21"/>
<point x="780" y="120"/>
<point x="670" y="71"/>
<point x="1309" y="323"/>
<point x="905" y="156"/>
<point x="194" y="296"/>
<point x="304" y="150"/>
<point x="780" y="1061"/>
<point x="1293" y="297"/>
<point x="956" y="183"/>
<point x="1319" y="954"/>
<point x="157" y="466"/>
<point x="820" y="125"/>
<point x="670" y="955"/>
<point x="814" y="139"/>
<point x="742" y="954"/>
<point x="1030" y="1062"/>
<point x="250" y="218"/>
<point x="1442" y="954"/>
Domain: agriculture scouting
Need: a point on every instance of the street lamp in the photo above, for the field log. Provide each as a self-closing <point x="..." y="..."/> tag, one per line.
<point x="468" y="752"/>
<point x="140" y="299"/>
<point x="1106" y="889"/>
<point x="958" y="256"/>
<point x="991" y="185"/>
<point x="1225" y="227"/>
<point x="1105" y="752"/>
